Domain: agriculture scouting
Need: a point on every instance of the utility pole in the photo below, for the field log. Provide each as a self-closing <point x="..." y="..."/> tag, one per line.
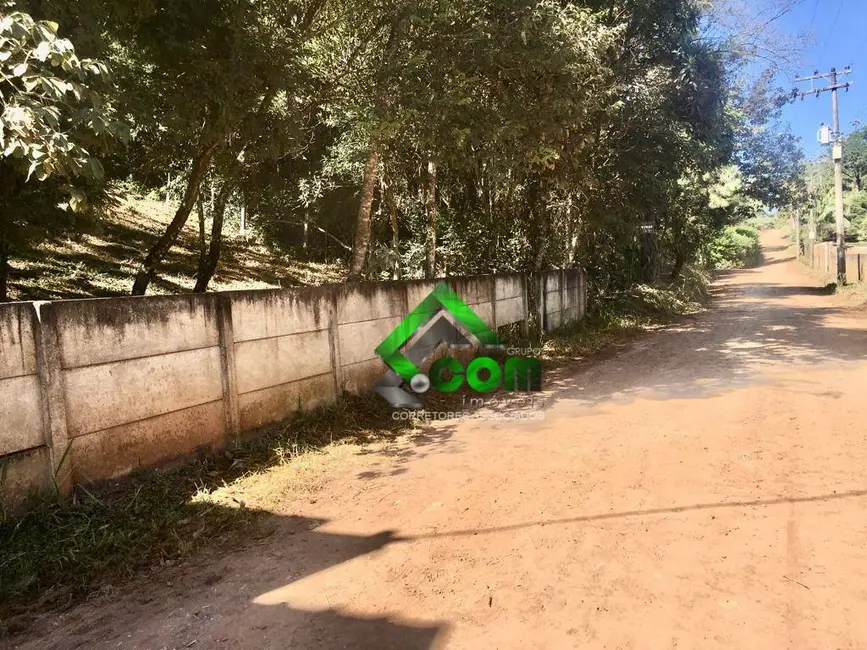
<point x="836" y="143"/>
<point x="811" y="232"/>
<point x="796" y="222"/>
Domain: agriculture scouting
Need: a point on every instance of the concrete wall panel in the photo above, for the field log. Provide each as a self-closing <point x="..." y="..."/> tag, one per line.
<point x="508" y="286"/>
<point x="473" y="290"/>
<point x="572" y="287"/>
<point x="552" y="301"/>
<point x="25" y="473"/>
<point x="114" y="329"/>
<point x="276" y="403"/>
<point x="510" y="310"/>
<point x="359" y="340"/>
<point x="851" y="267"/>
<point x="484" y="311"/>
<point x="105" y="396"/>
<point x="271" y="362"/>
<point x="119" y="450"/>
<point x="17" y="351"/>
<point x="552" y="281"/>
<point x="418" y="290"/>
<point x="369" y="301"/>
<point x="554" y="320"/>
<point x="268" y="314"/>
<point x="360" y="377"/>
<point x="20" y="414"/>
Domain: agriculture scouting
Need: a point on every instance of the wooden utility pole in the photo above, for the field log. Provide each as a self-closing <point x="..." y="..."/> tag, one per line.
<point x="836" y="143"/>
<point x="811" y="224"/>
<point x="796" y="221"/>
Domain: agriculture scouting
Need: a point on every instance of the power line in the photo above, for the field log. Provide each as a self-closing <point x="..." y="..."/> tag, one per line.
<point x="813" y="18"/>
<point x="831" y="33"/>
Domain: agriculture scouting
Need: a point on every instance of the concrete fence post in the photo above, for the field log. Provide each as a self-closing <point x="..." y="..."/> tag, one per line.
<point x="493" y="284"/>
<point x="228" y="372"/>
<point x="334" y="344"/>
<point x="526" y="300"/>
<point x="582" y="292"/>
<point x="50" y="374"/>
<point x="561" y="277"/>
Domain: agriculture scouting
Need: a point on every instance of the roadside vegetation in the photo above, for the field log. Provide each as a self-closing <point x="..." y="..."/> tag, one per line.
<point x="735" y="247"/>
<point x="56" y="552"/>
<point x="818" y="199"/>
<point x="376" y="141"/>
<point x="628" y="313"/>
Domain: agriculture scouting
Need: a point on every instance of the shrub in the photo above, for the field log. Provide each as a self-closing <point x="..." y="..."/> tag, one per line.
<point x="735" y="247"/>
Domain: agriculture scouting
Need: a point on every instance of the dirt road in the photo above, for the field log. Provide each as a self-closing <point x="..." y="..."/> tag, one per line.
<point x="704" y="488"/>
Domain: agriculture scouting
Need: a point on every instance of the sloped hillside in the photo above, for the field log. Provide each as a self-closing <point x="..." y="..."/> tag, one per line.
<point x="101" y="261"/>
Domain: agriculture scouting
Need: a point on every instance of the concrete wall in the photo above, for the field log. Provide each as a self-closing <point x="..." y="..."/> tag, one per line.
<point x="95" y="389"/>
<point x="561" y="297"/>
<point x="23" y="447"/>
<point x="825" y="260"/>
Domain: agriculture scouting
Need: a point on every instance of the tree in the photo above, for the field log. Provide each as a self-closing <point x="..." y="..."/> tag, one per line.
<point x="53" y="118"/>
<point x="855" y="157"/>
<point x="195" y="74"/>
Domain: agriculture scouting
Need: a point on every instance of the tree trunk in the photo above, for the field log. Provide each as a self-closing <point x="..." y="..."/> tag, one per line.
<point x="362" y="223"/>
<point x="391" y="204"/>
<point x="208" y="263"/>
<point x="539" y="217"/>
<point x="430" y="270"/>
<point x="4" y="269"/>
<point x="158" y="252"/>
<point x="679" y="261"/>
<point x="203" y="241"/>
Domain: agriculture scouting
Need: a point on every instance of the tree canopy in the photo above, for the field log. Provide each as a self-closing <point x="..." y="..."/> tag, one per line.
<point x="415" y="138"/>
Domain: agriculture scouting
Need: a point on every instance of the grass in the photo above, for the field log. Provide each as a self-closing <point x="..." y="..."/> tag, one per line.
<point x="102" y="261"/>
<point x="853" y="294"/>
<point x="55" y="553"/>
<point x="628" y="313"/>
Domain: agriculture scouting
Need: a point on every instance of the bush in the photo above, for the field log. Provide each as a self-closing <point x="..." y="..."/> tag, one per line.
<point x="735" y="247"/>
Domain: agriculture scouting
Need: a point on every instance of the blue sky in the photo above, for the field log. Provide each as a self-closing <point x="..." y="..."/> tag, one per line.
<point x="839" y="38"/>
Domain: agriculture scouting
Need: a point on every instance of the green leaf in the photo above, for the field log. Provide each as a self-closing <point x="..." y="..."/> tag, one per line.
<point x="42" y="51"/>
<point x="96" y="169"/>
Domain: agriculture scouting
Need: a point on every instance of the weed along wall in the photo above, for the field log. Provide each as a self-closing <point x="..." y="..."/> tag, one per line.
<point x="95" y="389"/>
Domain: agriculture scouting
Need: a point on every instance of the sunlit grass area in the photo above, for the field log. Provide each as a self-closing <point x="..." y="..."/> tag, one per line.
<point x="101" y="260"/>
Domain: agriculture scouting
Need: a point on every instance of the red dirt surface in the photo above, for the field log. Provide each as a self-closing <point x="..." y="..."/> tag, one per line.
<point x="703" y="488"/>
